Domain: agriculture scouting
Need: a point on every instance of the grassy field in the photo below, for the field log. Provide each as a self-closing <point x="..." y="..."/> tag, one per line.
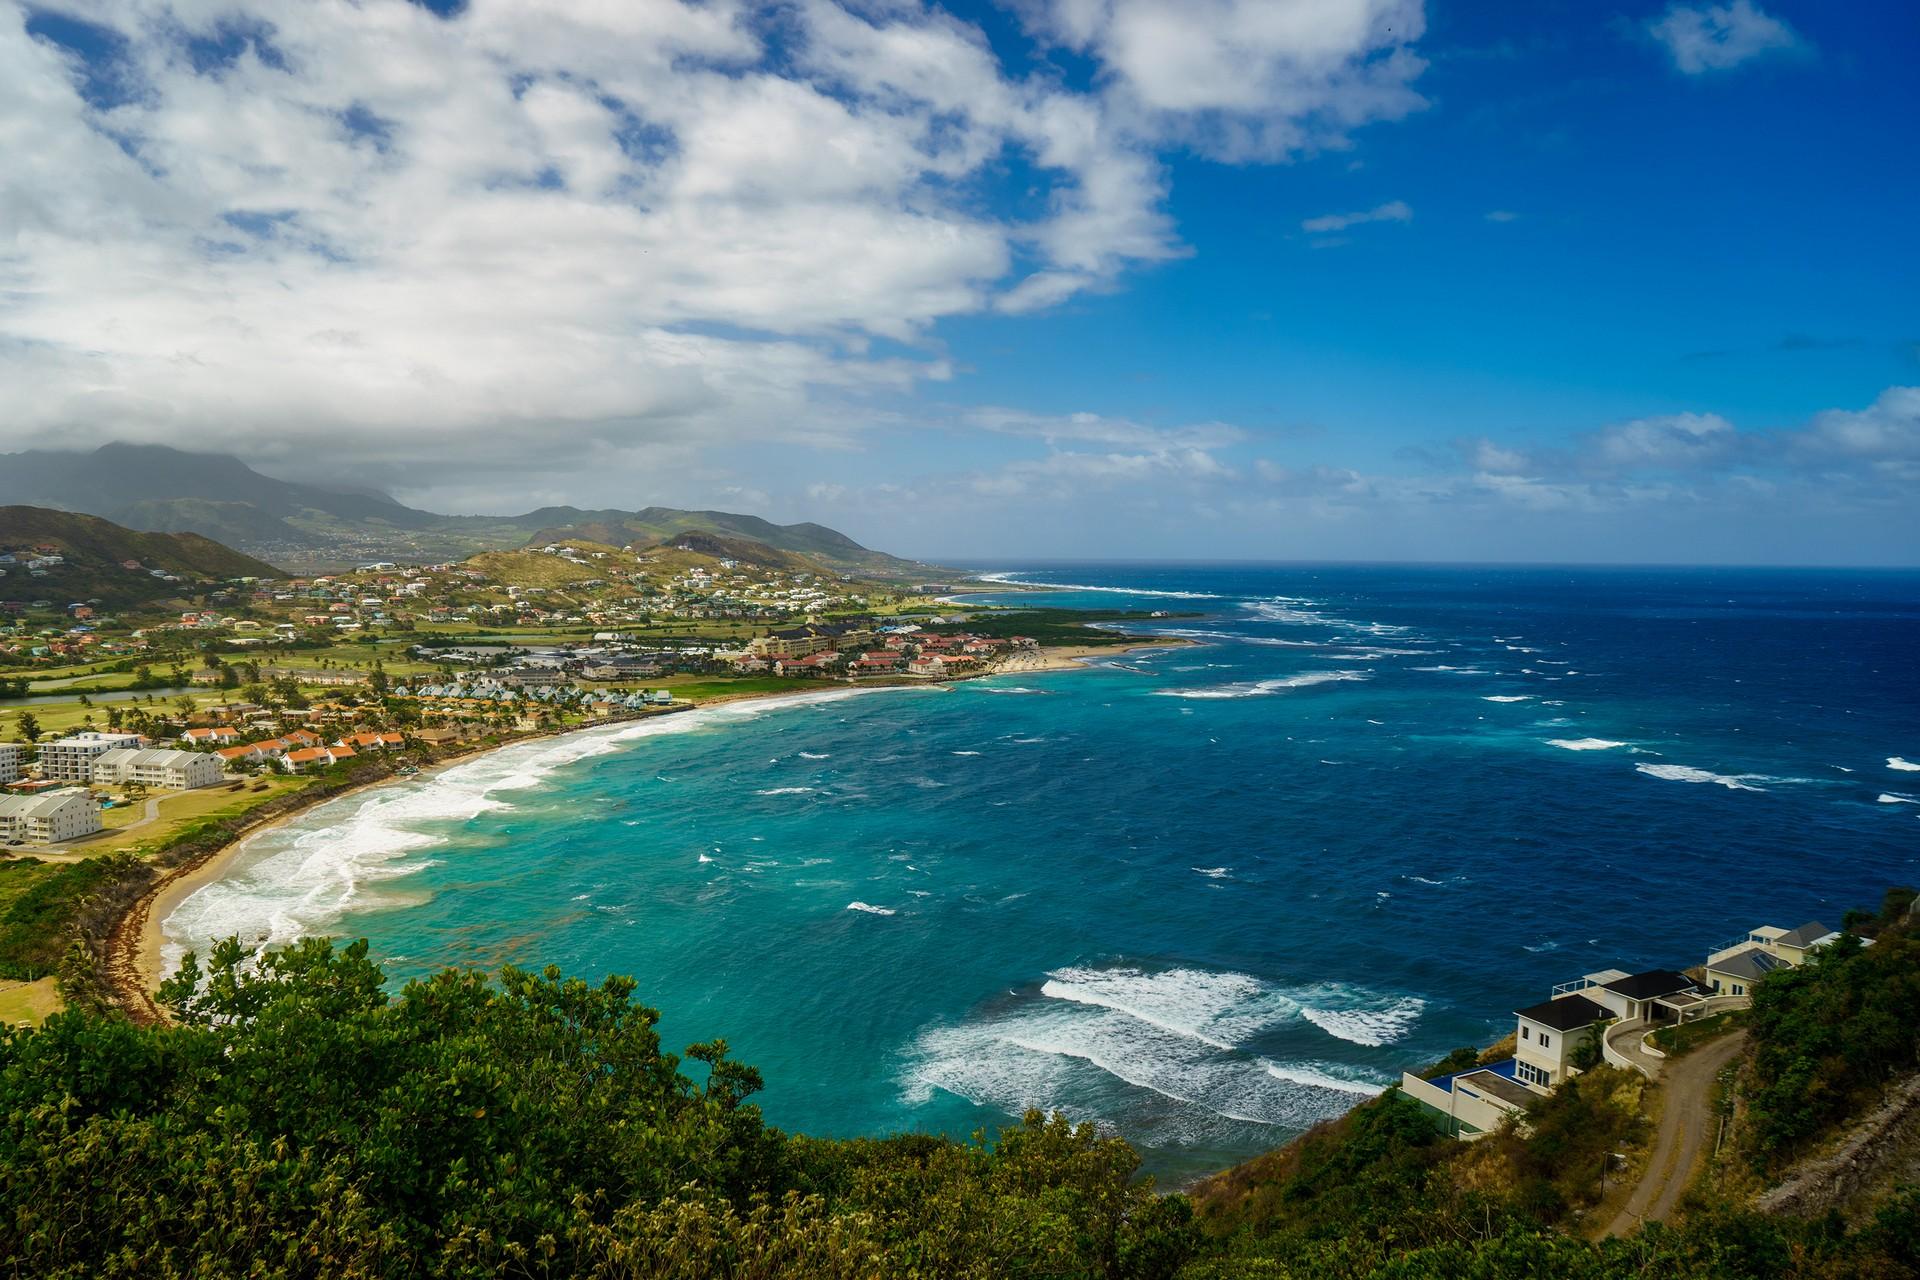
<point x="28" y="1002"/>
<point x="1677" y="1040"/>
<point x="180" y="808"/>
<point x="62" y="717"/>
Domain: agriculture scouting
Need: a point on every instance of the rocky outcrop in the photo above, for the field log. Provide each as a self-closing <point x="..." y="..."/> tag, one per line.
<point x="1883" y="1144"/>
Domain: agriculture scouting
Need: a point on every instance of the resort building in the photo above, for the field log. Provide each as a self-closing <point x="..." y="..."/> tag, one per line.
<point x="53" y="817"/>
<point x="70" y="759"/>
<point x="13" y="762"/>
<point x="157" y="767"/>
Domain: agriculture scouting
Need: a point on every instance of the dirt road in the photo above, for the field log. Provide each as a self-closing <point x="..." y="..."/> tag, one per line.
<point x="1687" y="1125"/>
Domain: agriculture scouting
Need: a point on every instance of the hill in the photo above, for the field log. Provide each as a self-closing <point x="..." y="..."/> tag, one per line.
<point x="310" y="527"/>
<point x="95" y="555"/>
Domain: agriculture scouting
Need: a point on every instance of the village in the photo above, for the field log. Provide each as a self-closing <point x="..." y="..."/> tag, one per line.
<point x="114" y="711"/>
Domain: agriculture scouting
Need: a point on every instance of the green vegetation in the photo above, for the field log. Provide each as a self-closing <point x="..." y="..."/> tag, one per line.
<point x="1683" y="1037"/>
<point x="38" y="905"/>
<point x="93" y="550"/>
<point x="299" y="1121"/>
<point x="1831" y="1033"/>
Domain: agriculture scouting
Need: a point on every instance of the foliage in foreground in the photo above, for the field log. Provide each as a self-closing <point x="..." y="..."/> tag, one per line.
<point x="1829" y="1035"/>
<point x="299" y="1121"/>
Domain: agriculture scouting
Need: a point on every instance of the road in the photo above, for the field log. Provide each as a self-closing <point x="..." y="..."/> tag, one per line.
<point x="1687" y="1125"/>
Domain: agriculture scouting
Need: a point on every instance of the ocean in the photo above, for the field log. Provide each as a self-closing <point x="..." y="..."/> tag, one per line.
<point x="1202" y="896"/>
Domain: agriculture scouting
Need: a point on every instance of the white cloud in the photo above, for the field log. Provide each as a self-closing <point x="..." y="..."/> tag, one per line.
<point x="1716" y="37"/>
<point x="1887" y="431"/>
<point x="442" y="243"/>
<point x="1392" y="211"/>
<point x="1092" y="428"/>
<point x="1675" y="440"/>
<point x="1246" y="78"/>
<point x="1502" y="215"/>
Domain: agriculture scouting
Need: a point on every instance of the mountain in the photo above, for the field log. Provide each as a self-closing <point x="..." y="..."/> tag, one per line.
<point x="310" y="527"/>
<point x="95" y="555"/>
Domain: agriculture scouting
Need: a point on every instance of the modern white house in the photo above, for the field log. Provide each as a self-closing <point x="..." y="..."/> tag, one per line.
<point x="52" y="817"/>
<point x="13" y="762"/>
<point x="1545" y="1038"/>
<point x="157" y="767"/>
<point x="70" y="759"/>
<point x="1737" y="973"/>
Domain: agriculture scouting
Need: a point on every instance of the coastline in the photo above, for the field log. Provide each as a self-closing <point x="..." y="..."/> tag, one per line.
<point x="135" y="963"/>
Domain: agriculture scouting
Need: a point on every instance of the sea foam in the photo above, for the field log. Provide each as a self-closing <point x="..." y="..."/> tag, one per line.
<point x="1012" y="581"/>
<point x="1904" y="766"/>
<point x="1687" y="773"/>
<point x="1264" y="688"/>
<point x="1158" y="1054"/>
<point x="1584" y="744"/>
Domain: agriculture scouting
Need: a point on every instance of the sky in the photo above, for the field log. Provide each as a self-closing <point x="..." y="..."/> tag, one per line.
<point x="1252" y="279"/>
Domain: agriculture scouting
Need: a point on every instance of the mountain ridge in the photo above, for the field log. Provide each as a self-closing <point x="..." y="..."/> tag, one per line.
<point x="94" y="553"/>
<point x="156" y="488"/>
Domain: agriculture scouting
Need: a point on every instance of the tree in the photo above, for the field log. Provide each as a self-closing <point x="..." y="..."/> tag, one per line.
<point x="29" y="726"/>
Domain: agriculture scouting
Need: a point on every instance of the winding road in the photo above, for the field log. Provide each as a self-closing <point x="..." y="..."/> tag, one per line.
<point x="1686" y="1126"/>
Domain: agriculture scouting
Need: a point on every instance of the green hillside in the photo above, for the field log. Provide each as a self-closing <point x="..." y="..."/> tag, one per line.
<point x="311" y="527"/>
<point x="94" y="554"/>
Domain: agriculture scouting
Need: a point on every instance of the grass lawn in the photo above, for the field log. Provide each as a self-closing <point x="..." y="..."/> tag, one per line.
<point x="179" y="808"/>
<point x="698" y="688"/>
<point x="1677" y="1040"/>
<point x="63" y="717"/>
<point x="27" y="1001"/>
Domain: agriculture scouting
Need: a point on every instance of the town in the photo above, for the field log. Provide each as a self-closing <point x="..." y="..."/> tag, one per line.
<point x="157" y="681"/>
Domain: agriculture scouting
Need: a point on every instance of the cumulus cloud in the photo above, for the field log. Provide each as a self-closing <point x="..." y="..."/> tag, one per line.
<point x="1241" y="79"/>
<point x="422" y="245"/>
<point x="1391" y="211"/>
<point x="1718" y="37"/>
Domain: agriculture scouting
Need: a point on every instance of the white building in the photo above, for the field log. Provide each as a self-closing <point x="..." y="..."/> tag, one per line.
<point x="13" y="762"/>
<point x="70" y="759"/>
<point x="157" y="767"/>
<point x="53" y="817"/>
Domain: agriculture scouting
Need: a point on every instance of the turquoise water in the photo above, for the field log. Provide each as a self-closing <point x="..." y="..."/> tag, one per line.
<point x="1205" y="896"/>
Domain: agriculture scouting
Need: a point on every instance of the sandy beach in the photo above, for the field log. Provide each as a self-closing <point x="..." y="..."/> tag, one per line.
<point x="144" y="926"/>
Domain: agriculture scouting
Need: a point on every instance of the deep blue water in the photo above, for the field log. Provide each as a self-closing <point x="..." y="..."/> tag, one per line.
<point x="1204" y="896"/>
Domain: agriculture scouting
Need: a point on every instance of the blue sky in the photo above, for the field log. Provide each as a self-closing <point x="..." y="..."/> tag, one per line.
<point x="1355" y="279"/>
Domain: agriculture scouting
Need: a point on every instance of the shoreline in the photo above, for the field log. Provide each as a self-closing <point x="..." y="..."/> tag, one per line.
<point x="135" y="964"/>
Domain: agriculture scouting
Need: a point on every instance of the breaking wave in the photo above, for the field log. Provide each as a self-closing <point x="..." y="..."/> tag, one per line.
<point x="1012" y="581"/>
<point x="1687" y="773"/>
<point x="1163" y="1055"/>
<point x="1264" y="688"/>
<point x="1584" y="744"/>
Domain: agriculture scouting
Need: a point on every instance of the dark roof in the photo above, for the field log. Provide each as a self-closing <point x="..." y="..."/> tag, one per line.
<point x="1811" y="931"/>
<point x="1752" y="964"/>
<point x="1565" y="1014"/>
<point x="1651" y="984"/>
